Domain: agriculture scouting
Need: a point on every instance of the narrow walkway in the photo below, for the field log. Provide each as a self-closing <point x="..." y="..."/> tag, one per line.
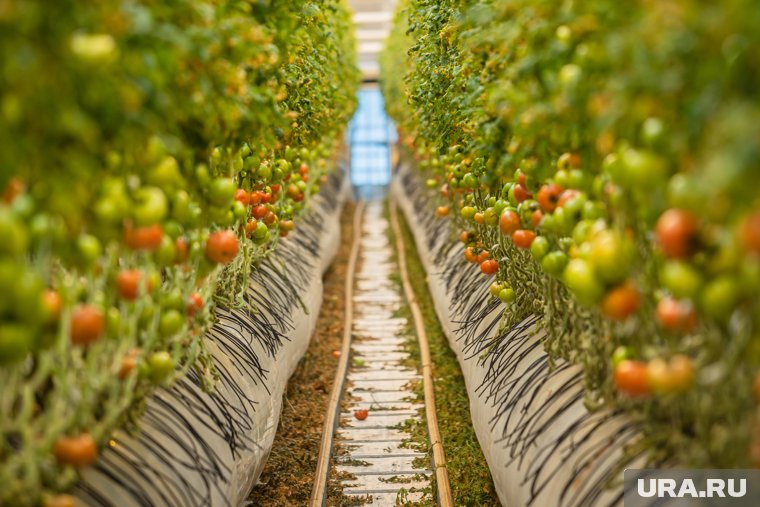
<point x="372" y="450"/>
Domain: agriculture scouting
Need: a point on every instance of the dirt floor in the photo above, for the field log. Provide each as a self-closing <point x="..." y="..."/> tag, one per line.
<point x="289" y="473"/>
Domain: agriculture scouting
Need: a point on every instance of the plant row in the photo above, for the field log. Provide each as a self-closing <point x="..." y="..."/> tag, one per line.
<point x="152" y="153"/>
<point x="600" y="160"/>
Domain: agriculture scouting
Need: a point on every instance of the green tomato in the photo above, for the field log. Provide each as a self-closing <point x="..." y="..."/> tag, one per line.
<point x="467" y="212"/>
<point x="221" y="192"/>
<point x="170" y="323"/>
<point x="27" y="297"/>
<point x="16" y="342"/>
<point x="239" y="211"/>
<point x="554" y="263"/>
<point x="653" y="132"/>
<point x="619" y="355"/>
<point x="581" y="279"/>
<point x="165" y="174"/>
<point x="166" y="252"/>
<point x="540" y="247"/>
<point x="507" y="295"/>
<point x="160" y="365"/>
<point x="681" y="279"/>
<point x="593" y="210"/>
<point x="264" y="172"/>
<point x="113" y="322"/>
<point x="611" y="255"/>
<point x="151" y="206"/>
<point x="490" y="217"/>
<point x="173" y="299"/>
<point x="720" y="297"/>
<point x="89" y="249"/>
<point x="642" y="168"/>
<point x="14" y="233"/>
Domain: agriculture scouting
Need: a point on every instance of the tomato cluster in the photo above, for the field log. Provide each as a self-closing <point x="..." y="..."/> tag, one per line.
<point x="603" y="157"/>
<point x="153" y="153"/>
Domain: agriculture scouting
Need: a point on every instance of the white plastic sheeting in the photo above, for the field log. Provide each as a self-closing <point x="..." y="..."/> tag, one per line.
<point x="202" y="449"/>
<point x="542" y="445"/>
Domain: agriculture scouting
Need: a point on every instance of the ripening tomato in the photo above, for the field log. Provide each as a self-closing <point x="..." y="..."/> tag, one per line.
<point x="442" y="211"/>
<point x="128" y="282"/>
<point x="87" y="324"/>
<point x="470" y="255"/>
<point x="128" y="363"/>
<point x="222" y="246"/>
<point x="489" y="267"/>
<point x="509" y="222"/>
<point x="675" y="376"/>
<point x="242" y="196"/>
<point x="523" y="238"/>
<point x="78" y="451"/>
<point x="51" y="305"/>
<point x="465" y="237"/>
<point x="194" y="304"/>
<point x="548" y="196"/>
<point x="143" y="238"/>
<point x="181" y="249"/>
<point x="750" y="232"/>
<point x="676" y="233"/>
<point x="483" y="256"/>
<point x="630" y="377"/>
<point x="676" y="316"/>
<point x="58" y="500"/>
<point x="621" y="302"/>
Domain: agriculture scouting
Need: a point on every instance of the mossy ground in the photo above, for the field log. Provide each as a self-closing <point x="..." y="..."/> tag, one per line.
<point x="469" y="476"/>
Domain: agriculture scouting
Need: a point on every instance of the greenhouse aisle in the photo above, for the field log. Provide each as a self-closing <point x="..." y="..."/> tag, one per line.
<point x="372" y="442"/>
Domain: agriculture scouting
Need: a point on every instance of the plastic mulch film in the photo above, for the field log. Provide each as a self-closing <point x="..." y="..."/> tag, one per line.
<point x="542" y="445"/>
<point x="198" y="448"/>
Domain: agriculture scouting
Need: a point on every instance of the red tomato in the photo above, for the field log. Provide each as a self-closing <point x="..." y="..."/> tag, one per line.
<point x="222" y="246"/>
<point x="78" y="451"/>
<point x="361" y="414"/>
<point x="676" y="316"/>
<point x="489" y="267"/>
<point x="509" y="222"/>
<point x="128" y="281"/>
<point x="260" y="211"/>
<point x="522" y="193"/>
<point x="536" y="217"/>
<point x="523" y="238"/>
<point x="548" y="196"/>
<point x="630" y="378"/>
<point x="87" y="324"/>
<point x="676" y="232"/>
<point x="242" y="196"/>
<point x="621" y="302"/>
<point x="143" y="238"/>
<point x="255" y="198"/>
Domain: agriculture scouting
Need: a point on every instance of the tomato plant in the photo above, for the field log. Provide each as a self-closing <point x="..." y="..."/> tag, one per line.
<point x="133" y="161"/>
<point x="590" y="123"/>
